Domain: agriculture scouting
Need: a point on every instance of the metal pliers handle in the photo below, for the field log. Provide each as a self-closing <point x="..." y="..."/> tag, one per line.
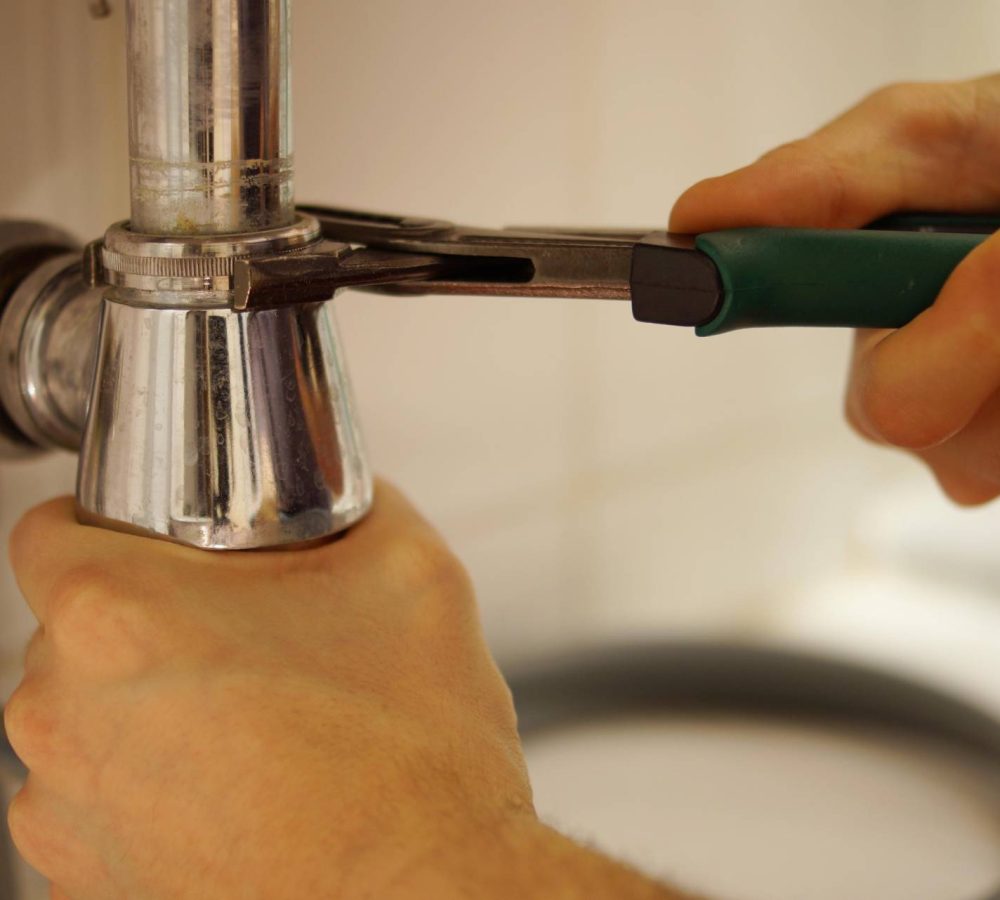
<point x="878" y="277"/>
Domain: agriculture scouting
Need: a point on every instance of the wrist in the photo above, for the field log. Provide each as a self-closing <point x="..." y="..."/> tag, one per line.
<point x="467" y="858"/>
<point x="520" y="857"/>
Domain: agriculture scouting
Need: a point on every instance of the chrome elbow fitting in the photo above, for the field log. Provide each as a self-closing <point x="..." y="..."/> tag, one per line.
<point x="48" y="340"/>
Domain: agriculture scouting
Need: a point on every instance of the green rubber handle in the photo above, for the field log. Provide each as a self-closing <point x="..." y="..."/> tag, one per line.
<point x="861" y="279"/>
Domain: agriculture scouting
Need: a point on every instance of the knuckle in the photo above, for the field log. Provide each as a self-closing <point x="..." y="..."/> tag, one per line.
<point x="921" y="112"/>
<point x="19" y="819"/>
<point x="807" y="161"/>
<point x="92" y="614"/>
<point x="443" y="612"/>
<point x="427" y="564"/>
<point x="80" y="597"/>
<point x="30" y="726"/>
<point x="31" y="834"/>
<point x="897" y="95"/>
<point x="902" y="99"/>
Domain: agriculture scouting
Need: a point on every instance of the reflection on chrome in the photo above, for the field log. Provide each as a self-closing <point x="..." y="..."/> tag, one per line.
<point x="222" y="429"/>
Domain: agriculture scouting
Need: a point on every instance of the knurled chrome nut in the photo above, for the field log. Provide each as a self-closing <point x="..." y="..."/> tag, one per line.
<point x="193" y="263"/>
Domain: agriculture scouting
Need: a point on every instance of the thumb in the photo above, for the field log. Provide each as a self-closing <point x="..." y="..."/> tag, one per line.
<point x="910" y="146"/>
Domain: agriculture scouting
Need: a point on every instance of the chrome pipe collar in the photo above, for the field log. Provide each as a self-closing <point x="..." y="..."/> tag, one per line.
<point x="173" y="271"/>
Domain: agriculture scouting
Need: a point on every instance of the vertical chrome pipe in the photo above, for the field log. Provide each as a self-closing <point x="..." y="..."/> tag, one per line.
<point x="209" y="115"/>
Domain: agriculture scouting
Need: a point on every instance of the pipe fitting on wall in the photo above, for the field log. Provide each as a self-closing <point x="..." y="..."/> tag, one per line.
<point x="48" y="340"/>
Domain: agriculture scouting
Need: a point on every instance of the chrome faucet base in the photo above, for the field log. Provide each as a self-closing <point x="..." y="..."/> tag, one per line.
<point x="197" y="423"/>
<point x="220" y="429"/>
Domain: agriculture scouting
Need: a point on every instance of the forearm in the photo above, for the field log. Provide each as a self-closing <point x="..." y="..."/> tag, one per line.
<point x="523" y="859"/>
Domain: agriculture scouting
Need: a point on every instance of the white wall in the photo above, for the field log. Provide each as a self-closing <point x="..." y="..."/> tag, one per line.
<point x="596" y="474"/>
<point x="63" y="159"/>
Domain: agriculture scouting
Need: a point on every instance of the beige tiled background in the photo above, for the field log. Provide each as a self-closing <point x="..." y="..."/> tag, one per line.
<point x="600" y="478"/>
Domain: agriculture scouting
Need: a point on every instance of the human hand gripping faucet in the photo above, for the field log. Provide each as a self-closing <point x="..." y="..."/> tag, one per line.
<point x="328" y="722"/>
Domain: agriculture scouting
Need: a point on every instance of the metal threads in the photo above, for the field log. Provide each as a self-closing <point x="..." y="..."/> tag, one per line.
<point x="185" y="267"/>
<point x="209" y="115"/>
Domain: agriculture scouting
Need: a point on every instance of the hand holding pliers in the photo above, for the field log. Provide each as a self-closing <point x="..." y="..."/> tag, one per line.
<point x="879" y="277"/>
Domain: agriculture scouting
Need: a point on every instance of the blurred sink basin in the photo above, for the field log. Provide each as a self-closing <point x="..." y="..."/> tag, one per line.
<point x="759" y="809"/>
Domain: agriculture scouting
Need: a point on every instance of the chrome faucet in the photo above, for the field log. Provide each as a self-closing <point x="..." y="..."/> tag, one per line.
<point x="195" y="421"/>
